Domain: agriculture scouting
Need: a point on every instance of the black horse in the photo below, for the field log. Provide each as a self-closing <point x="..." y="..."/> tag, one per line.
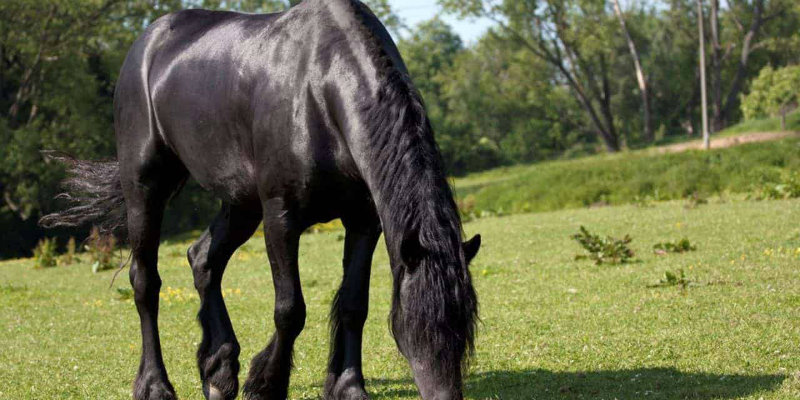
<point x="291" y="119"/>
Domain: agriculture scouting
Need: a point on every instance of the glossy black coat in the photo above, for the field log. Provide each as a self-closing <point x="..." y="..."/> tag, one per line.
<point x="292" y="119"/>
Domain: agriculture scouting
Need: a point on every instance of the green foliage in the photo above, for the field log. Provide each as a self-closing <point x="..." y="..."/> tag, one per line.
<point x="604" y="250"/>
<point x="772" y="92"/>
<point x="678" y="246"/>
<point x="44" y="255"/>
<point x="787" y="188"/>
<point x="58" y="65"/>
<point x="101" y="248"/>
<point x="673" y="279"/>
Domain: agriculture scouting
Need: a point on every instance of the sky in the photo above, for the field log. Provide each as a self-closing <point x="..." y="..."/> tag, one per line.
<point x="415" y="11"/>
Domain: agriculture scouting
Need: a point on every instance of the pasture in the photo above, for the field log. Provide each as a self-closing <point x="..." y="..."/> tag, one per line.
<point x="552" y="327"/>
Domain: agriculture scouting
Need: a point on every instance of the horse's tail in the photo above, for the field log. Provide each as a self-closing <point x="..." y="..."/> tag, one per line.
<point x="93" y="189"/>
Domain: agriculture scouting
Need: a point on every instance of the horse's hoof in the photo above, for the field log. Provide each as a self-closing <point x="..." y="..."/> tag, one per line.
<point x="151" y="388"/>
<point x="347" y="386"/>
<point x="215" y="394"/>
<point x="354" y="393"/>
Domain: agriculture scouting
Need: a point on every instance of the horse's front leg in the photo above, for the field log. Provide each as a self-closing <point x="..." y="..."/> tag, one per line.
<point x="349" y="313"/>
<point x="269" y="371"/>
<point x="218" y="354"/>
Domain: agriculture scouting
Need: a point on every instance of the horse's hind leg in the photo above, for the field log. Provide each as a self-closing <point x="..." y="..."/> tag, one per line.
<point x="345" y="380"/>
<point x="269" y="371"/>
<point x="148" y="177"/>
<point x="218" y="354"/>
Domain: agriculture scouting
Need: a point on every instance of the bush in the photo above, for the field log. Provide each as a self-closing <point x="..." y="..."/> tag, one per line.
<point x="787" y="188"/>
<point x="44" y="255"/>
<point x="773" y="92"/>
<point x="604" y="250"/>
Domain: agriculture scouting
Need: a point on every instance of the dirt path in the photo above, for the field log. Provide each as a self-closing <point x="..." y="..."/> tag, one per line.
<point x="728" y="141"/>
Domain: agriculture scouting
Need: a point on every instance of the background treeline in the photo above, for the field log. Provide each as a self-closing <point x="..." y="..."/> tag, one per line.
<point x="553" y="78"/>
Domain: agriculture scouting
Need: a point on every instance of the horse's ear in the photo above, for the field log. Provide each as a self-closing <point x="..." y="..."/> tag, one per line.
<point x="471" y="248"/>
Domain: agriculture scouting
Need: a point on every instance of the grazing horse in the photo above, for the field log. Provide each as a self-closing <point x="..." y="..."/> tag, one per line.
<point x="290" y="119"/>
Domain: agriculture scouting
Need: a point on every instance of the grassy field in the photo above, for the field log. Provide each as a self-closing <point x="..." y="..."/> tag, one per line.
<point x="553" y="327"/>
<point x="629" y="177"/>
<point x="764" y="125"/>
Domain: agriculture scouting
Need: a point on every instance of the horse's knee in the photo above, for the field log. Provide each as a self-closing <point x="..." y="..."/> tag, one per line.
<point x="290" y="316"/>
<point x="146" y="284"/>
<point x="200" y="271"/>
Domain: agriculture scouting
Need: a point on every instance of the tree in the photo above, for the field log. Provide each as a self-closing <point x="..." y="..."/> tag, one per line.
<point x="735" y="41"/>
<point x="430" y="50"/>
<point x="381" y="8"/>
<point x="573" y="36"/>
<point x="641" y="79"/>
<point x="502" y="107"/>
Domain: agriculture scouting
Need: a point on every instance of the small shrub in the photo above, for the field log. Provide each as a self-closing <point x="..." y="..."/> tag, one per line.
<point x="101" y="250"/>
<point x="673" y="279"/>
<point x="678" y="246"/>
<point x="604" y="250"/>
<point x="70" y="256"/>
<point x="787" y="188"/>
<point x="44" y="255"/>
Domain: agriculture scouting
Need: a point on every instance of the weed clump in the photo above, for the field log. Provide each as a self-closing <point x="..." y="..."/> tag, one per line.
<point x="678" y="246"/>
<point x="44" y="255"/>
<point x="673" y="279"/>
<point x="604" y="250"/>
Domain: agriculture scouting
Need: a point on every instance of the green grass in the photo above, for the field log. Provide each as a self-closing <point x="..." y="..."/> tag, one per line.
<point x="763" y="125"/>
<point x="627" y="177"/>
<point x="553" y="327"/>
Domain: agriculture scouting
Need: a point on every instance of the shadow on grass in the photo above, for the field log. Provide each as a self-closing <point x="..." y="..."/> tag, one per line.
<point x="650" y="383"/>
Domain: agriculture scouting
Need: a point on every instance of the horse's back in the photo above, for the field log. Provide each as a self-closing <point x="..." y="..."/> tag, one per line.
<point x="186" y="71"/>
<point x="248" y="102"/>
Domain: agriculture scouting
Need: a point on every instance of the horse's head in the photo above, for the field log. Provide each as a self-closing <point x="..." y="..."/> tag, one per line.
<point x="434" y="318"/>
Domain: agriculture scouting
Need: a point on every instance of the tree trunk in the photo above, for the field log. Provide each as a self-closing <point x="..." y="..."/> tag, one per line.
<point x="640" y="76"/>
<point x="747" y="48"/>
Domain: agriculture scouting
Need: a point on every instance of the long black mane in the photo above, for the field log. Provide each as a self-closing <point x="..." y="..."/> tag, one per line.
<point x="421" y="221"/>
